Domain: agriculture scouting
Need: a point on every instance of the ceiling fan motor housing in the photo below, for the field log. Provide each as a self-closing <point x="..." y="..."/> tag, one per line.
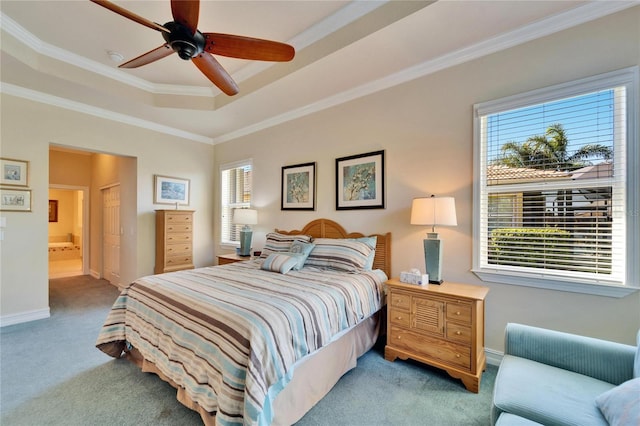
<point x="186" y="44"/>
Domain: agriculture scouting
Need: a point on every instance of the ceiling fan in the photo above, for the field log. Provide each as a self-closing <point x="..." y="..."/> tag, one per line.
<point x="183" y="37"/>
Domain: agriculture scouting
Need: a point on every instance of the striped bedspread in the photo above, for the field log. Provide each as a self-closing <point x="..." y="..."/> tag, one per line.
<point x="227" y="334"/>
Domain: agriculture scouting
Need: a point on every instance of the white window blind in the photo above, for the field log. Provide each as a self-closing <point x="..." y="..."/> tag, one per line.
<point x="551" y="190"/>
<point x="235" y="193"/>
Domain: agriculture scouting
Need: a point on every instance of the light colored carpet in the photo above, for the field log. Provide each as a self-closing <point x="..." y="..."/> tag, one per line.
<point x="52" y="374"/>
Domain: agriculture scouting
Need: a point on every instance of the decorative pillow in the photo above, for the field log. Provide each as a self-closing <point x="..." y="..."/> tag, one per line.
<point x="347" y="255"/>
<point x="300" y="251"/>
<point x="621" y="405"/>
<point x="371" y="242"/>
<point x="280" y="243"/>
<point x="279" y="262"/>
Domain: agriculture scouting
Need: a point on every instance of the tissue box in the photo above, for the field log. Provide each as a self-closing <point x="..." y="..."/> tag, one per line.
<point x="413" y="278"/>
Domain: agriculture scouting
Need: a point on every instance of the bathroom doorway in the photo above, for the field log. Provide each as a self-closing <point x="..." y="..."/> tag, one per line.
<point x="68" y="245"/>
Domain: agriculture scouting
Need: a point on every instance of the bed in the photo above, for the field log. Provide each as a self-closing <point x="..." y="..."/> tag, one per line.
<point x="257" y="342"/>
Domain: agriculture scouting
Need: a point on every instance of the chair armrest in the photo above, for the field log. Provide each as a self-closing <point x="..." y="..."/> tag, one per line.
<point x="603" y="360"/>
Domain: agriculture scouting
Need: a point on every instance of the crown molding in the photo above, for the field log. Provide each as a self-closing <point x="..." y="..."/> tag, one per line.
<point x="556" y="23"/>
<point x="44" y="98"/>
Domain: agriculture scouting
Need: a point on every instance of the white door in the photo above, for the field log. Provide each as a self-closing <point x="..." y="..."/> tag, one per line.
<point x="111" y="234"/>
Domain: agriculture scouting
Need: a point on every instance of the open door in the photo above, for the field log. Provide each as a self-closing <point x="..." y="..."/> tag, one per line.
<point x="111" y="231"/>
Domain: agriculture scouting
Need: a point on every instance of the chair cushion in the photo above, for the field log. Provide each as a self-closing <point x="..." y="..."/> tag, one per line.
<point x="507" y="419"/>
<point x="621" y="405"/>
<point x="546" y="394"/>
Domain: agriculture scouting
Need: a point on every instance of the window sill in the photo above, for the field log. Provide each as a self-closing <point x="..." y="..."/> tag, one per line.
<point x="608" y="290"/>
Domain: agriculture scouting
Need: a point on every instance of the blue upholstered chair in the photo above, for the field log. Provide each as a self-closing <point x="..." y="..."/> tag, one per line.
<point x="553" y="378"/>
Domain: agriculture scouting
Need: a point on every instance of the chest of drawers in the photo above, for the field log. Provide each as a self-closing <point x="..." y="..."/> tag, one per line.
<point x="440" y="325"/>
<point x="174" y="240"/>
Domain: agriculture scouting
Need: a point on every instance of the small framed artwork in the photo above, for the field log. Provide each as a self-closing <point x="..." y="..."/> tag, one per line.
<point x="171" y="190"/>
<point x="53" y="210"/>
<point x="299" y="187"/>
<point x="360" y="181"/>
<point x="14" y="172"/>
<point x="15" y="200"/>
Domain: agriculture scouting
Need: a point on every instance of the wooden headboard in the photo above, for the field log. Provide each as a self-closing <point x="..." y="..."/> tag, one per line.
<point x="326" y="228"/>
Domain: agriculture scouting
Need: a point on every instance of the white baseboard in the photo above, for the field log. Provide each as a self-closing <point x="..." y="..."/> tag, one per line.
<point x="493" y="357"/>
<point x="27" y="316"/>
<point x="94" y="274"/>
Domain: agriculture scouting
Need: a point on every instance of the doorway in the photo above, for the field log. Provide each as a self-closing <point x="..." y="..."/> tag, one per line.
<point x="68" y="241"/>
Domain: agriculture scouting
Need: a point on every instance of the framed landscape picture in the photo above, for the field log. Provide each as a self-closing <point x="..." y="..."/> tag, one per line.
<point x="171" y="190"/>
<point x="360" y="181"/>
<point x="298" y="187"/>
<point x="15" y="200"/>
<point x="14" y="172"/>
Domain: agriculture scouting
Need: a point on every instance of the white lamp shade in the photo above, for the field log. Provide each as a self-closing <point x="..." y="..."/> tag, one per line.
<point x="245" y="216"/>
<point x="434" y="211"/>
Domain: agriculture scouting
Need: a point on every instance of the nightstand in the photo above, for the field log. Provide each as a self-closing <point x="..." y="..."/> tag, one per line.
<point x="223" y="259"/>
<point x="440" y="325"/>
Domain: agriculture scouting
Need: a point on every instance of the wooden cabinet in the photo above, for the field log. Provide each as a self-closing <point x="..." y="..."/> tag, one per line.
<point x="223" y="259"/>
<point x="440" y="325"/>
<point x="174" y="240"/>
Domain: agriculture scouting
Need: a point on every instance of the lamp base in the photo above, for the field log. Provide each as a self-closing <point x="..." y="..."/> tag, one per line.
<point x="245" y="243"/>
<point x="433" y="258"/>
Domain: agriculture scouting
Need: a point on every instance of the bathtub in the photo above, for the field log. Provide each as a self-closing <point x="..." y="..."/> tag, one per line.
<point x="64" y="250"/>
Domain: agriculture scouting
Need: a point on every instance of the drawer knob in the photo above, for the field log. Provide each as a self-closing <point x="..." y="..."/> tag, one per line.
<point x="399" y="337"/>
<point x="399" y="317"/>
<point x="457" y="312"/>
<point x="457" y="355"/>
<point x="458" y="333"/>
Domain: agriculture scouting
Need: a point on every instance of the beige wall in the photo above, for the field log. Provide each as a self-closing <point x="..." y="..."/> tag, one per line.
<point x="28" y="128"/>
<point x="425" y="128"/>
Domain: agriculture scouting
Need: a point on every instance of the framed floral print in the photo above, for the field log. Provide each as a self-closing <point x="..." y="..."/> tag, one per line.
<point x="360" y="181"/>
<point x="298" y="187"/>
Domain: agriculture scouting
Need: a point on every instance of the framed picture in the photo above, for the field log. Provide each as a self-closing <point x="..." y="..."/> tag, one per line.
<point x="299" y="187"/>
<point x="15" y="200"/>
<point x="14" y="172"/>
<point x="170" y="190"/>
<point x="360" y="181"/>
<point x="53" y="210"/>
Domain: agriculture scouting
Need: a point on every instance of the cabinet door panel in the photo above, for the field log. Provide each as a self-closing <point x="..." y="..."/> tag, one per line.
<point x="427" y="315"/>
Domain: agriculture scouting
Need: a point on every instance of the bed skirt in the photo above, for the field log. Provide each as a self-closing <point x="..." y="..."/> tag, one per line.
<point x="314" y="376"/>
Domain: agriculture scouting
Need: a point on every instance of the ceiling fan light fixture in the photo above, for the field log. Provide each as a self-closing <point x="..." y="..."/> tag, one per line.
<point x="184" y="49"/>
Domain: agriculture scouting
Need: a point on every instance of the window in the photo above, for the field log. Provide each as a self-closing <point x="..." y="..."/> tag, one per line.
<point x="556" y="186"/>
<point x="235" y="190"/>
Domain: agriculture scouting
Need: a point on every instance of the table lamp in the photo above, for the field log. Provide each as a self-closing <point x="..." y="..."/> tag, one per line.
<point x="433" y="211"/>
<point x="245" y="217"/>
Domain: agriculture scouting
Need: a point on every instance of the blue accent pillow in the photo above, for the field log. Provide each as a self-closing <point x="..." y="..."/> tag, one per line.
<point x="279" y="262"/>
<point x="300" y="250"/>
<point x="621" y="405"/>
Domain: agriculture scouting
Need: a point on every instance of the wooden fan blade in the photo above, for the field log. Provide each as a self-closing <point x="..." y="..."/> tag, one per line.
<point x="130" y="15"/>
<point x="186" y="13"/>
<point x="151" y="56"/>
<point x="212" y="69"/>
<point x="248" y="47"/>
